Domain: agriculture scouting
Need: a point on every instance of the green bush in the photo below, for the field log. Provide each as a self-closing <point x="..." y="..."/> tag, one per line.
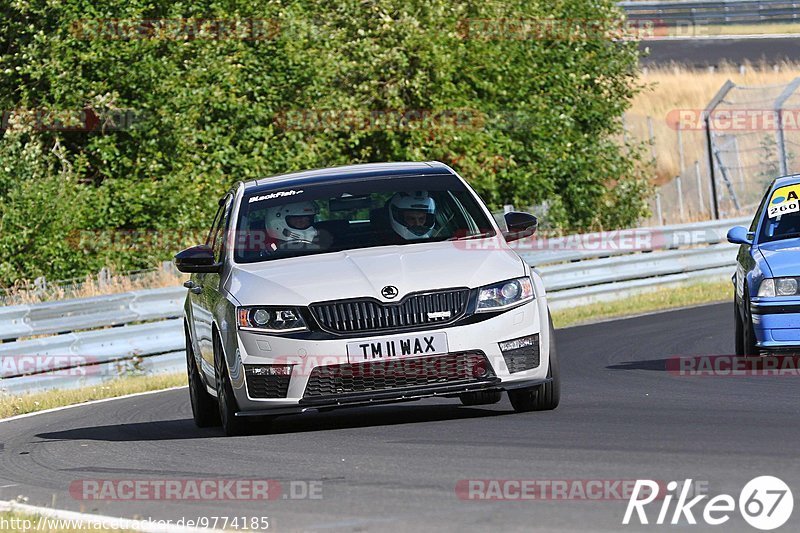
<point x="526" y="120"/>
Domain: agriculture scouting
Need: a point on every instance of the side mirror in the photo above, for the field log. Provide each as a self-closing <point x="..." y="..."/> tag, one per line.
<point x="520" y="225"/>
<point x="197" y="259"/>
<point x="739" y="235"/>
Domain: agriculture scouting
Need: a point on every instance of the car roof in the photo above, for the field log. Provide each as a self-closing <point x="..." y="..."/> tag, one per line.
<point x="368" y="170"/>
<point x="785" y="180"/>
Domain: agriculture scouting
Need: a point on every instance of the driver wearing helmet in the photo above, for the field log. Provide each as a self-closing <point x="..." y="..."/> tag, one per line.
<point x="412" y="214"/>
<point x="292" y="224"/>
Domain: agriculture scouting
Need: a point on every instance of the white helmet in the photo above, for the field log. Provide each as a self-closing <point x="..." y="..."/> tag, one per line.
<point x="412" y="214"/>
<point x="292" y="222"/>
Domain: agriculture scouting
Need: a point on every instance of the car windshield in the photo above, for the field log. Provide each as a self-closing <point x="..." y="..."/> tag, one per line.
<point x="782" y="214"/>
<point x="274" y="223"/>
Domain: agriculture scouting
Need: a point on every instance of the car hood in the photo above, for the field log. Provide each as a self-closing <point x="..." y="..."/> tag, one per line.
<point x="364" y="272"/>
<point x="782" y="257"/>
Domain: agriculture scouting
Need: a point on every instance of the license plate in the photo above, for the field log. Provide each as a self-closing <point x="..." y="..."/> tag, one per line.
<point x="397" y="346"/>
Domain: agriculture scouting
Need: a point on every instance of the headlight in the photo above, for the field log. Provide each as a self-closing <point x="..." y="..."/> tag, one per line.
<point x="504" y="295"/>
<point x="271" y="319"/>
<point x="778" y="287"/>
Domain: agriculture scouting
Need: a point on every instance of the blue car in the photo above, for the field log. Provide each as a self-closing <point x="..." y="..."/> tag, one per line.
<point x="766" y="295"/>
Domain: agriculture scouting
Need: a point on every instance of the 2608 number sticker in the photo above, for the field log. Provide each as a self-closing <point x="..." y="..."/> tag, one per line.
<point x="783" y="208"/>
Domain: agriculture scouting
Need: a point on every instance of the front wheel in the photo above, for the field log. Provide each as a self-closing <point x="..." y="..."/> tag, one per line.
<point x="204" y="407"/>
<point x="543" y="397"/>
<point x="231" y="424"/>
<point x="745" y="336"/>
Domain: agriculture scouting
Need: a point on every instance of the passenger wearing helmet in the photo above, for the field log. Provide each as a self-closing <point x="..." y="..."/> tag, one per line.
<point x="292" y="224"/>
<point x="412" y="214"/>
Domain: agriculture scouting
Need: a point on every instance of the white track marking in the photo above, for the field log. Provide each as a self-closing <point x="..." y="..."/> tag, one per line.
<point x="92" y="402"/>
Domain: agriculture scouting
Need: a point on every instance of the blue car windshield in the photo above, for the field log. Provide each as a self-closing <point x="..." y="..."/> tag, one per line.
<point x="781" y="218"/>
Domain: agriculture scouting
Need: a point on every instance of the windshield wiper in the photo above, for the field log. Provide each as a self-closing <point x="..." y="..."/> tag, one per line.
<point x="793" y="235"/>
<point x="467" y="237"/>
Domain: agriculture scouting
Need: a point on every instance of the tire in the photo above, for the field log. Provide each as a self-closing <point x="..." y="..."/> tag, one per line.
<point x="749" y="348"/>
<point x="204" y="407"/>
<point x="226" y="400"/>
<point x="738" y="330"/>
<point x="483" y="397"/>
<point x="543" y="397"/>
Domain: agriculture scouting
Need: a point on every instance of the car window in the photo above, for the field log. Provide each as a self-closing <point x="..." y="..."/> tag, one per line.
<point x="212" y="230"/>
<point x="275" y="223"/>
<point x="759" y="213"/>
<point x="219" y="231"/>
<point x="781" y="214"/>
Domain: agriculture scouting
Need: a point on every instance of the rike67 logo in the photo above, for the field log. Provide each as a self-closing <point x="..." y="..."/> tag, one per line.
<point x="765" y="503"/>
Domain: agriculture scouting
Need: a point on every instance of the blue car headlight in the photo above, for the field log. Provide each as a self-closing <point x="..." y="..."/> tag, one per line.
<point x="504" y="295"/>
<point x="771" y="287"/>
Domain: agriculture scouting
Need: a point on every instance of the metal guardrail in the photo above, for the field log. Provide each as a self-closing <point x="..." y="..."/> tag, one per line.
<point x="100" y="334"/>
<point x="713" y="12"/>
<point x="88" y="313"/>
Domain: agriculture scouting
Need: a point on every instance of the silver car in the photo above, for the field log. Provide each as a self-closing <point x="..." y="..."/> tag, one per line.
<point x="361" y="285"/>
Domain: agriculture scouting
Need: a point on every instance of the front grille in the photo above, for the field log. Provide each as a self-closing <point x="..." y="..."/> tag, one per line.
<point x="523" y="358"/>
<point x="261" y="385"/>
<point x="367" y="314"/>
<point x="391" y="374"/>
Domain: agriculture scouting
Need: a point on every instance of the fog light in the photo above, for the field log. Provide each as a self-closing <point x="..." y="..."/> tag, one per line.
<point x="268" y="370"/>
<point x="521" y="354"/>
<point x="522" y="342"/>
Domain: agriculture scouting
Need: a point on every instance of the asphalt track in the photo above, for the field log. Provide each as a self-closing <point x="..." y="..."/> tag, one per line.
<point x="395" y="468"/>
<point x="714" y="51"/>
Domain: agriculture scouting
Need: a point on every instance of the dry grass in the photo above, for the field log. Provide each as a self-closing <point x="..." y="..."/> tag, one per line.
<point x="11" y="405"/>
<point x="26" y="292"/>
<point x="677" y="87"/>
<point x="658" y="300"/>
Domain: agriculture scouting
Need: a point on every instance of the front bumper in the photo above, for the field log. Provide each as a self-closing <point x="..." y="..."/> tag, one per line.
<point x="309" y="359"/>
<point x="776" y="323"/>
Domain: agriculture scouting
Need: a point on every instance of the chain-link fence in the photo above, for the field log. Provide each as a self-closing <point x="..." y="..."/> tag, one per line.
<point x="752" y="135"/>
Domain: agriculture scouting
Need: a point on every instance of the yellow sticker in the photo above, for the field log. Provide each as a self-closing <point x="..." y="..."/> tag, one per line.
<point x="784" y="200"/>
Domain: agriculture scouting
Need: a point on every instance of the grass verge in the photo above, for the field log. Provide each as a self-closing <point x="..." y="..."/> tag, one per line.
<point x="659" y="300"/>
<point x="11" y="405"/>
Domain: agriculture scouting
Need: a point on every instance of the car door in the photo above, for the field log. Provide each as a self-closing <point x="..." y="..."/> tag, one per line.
<point x="208" y="289"/>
